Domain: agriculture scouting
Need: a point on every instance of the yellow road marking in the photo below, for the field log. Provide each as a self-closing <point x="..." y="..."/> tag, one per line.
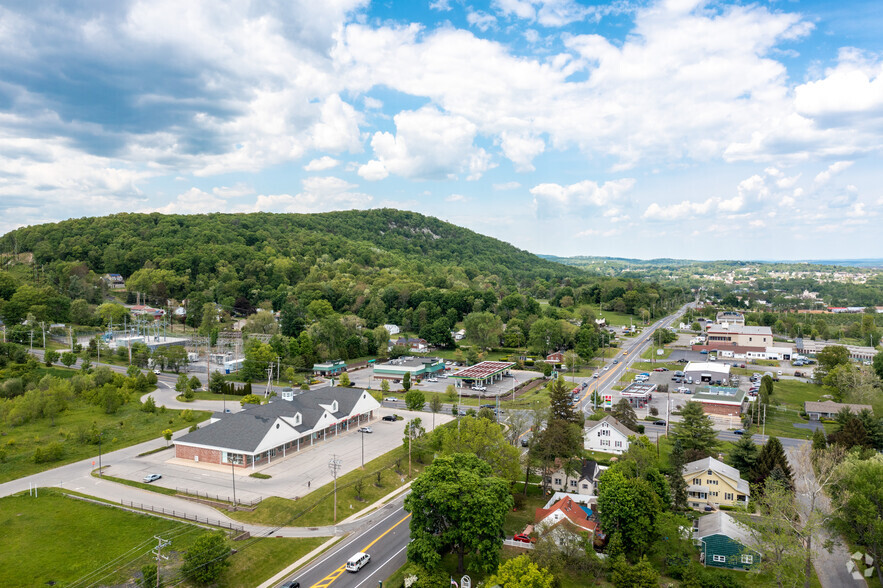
<point x="330" y="578"/>
<point x="606" y="375"/>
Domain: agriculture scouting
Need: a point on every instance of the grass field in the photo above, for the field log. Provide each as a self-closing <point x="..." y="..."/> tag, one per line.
<point x="316" y="509"/>
<point x="128" y="426"/>
<point x="112" y="545"/>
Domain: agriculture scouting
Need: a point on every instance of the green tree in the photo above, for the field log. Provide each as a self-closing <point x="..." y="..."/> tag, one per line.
<point x="819" y="441"/>
<point x="457" y="504"/>
<point x="676" y="482"/>
<point x="695" y="432"/>
<point x="766" y="389"/>
<point x="345" y="380"/>
<point x="743" y="456"/>
<point x="520" y="572"/>
<point x="384" y="386"/>
<point x="451" y="393"/>
<point x="167" y="434"/>
<point x="217" y="382"/>
<point x="148" y="577"/>
<point x="206" y="559"/>
<point x="68" y="359"/>
<point x="625" y="414"/>
<point x="829" y="358"/>
<point x="50" y="356"/>
<point x="209" y="318"/>
<point x="878" y="364"/>
<point x="483" y="438"/>
<point x="640" y="575"/>
<point x="772" y="463"/>
<point x="406" y="381"/>
<point x="415" y="399"/>
<point x="858" y="499"/>
<point x="559" y="441"/>
<point x="111" y="312"/>
<point x="559" y="401"/>
<point x="435" y="405"/>
<point x="484" y="329"/>
<point x="628" y="506"/>
<point x="250" y="399"/>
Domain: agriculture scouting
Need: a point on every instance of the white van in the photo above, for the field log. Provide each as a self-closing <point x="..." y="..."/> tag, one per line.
<point x="357" y="562"/>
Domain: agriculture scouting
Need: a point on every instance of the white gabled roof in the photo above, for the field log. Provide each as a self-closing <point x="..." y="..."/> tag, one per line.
<point x="715" y="465"/>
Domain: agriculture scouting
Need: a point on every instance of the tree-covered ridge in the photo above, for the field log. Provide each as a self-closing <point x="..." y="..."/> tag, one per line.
<point x="200" y="245"/>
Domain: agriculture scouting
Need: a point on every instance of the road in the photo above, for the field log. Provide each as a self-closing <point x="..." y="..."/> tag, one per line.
<point x="385" y="542"/>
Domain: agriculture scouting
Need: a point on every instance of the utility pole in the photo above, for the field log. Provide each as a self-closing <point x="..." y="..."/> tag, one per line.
<point x="410" y="430"/>
<point x="269" y="381"/>
<point x="43" y="329"/>
<point x="157" y="551"/>
<point x="233" y="477"/>
<point x="334" y="465"/>
<point x="32" y="339"/>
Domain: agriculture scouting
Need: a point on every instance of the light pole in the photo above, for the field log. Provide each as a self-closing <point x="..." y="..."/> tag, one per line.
<point x="334" y="465"/>
<point x="99" y="454"/>
<point x="362" y="433"/>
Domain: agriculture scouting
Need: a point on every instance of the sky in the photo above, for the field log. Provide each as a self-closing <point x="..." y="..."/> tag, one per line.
<point x="672" y="128"/>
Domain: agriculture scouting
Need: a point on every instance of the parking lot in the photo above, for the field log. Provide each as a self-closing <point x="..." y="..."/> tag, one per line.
<point x="292" y="477"/>
<point x="364" y="379"/>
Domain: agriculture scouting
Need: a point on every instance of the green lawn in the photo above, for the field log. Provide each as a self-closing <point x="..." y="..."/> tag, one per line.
<point x="56" y="539"/>
<point x="128" y="426"/>
<point x="316" y="508"/>
<point x="793" y="393"/>
<point x="260" y="559"/>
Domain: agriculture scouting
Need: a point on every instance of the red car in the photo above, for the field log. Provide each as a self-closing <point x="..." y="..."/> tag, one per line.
<point x="522" y="537"/>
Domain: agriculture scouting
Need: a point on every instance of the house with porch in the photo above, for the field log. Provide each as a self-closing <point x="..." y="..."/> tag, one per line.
<point x="711" y="482"/>
<point x="566" y="511"/>
<point x="724" y="542"/>
<point x="817" y="411"/>
<point x="262" y="434"/>
<point x="583" y="481"/>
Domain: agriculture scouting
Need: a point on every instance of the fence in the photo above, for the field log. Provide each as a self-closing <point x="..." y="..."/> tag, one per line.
<point x="216" y="498"/>
<point x="521" y="544"/>
<point x="182" y="515"/>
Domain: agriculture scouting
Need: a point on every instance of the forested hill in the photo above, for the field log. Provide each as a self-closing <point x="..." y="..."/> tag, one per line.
<point x="196" y="244"/>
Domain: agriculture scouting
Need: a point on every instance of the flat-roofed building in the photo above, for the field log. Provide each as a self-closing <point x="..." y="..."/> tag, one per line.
<point x="708" y="371"/>
<point x="720" y="400"/>
<point x="740" y="335"/>
<point x="418" y="367"/>
<point x="730" y="317"/>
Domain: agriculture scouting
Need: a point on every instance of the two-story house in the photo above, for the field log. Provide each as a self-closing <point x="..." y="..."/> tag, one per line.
<point x="582" y="481"/>
<point x="712" y="482"/>
<point x="607" y="435"/>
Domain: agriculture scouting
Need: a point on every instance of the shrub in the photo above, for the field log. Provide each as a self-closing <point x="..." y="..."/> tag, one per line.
<point x="149" y="405"/>
<point x="51" y="452"/>
<point x="187" y="415"/>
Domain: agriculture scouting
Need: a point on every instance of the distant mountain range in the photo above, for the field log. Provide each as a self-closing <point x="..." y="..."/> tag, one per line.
<point x="584" y="260"/>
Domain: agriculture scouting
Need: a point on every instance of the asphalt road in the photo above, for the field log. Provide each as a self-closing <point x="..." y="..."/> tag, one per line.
<point x="385" y="542"/>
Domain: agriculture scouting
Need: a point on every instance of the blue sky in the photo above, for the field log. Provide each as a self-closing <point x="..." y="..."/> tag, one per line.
<point x="676" y="128"/>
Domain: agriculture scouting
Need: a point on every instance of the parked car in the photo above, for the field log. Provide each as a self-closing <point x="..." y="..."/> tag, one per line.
<point x="704" y="352"/>
<point x="365" y="430"/>
<point x="798" y="374"/>
<point x="151" y="478"/>
<point x="683" y="360"/>
<point x="660" y="369"/>
<point x="522" y="537"/>
<point x="432" y="379"/>
<point x="683" y="390"/>
<point x="391" y="418"/>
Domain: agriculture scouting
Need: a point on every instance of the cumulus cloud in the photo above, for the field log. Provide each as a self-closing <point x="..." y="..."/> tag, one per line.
<point x="507" y="186"/>
<point x="319" y="194"/>
<point x="428" y="144"/>
<point x="321" y="164"/>
<point x="557" y="199"/>
<point x="480" y="19"/>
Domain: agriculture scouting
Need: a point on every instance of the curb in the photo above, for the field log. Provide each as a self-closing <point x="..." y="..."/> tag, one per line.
<point x="302" y="561"/>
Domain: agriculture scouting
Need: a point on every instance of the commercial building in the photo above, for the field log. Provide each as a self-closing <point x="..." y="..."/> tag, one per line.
<point x="721" y="401"/>
<point x="712" y="482"/>
<point x="856" y="352"/>
<point x="262" y="434"/>
<point x="817" y="411"/>
<point x="730" y="317"/>
<point x="330" y="368"/>
<point x="485" y="372"/>
<point x="740" y="335"/>
<point x="418" y="367"/>
<point x="707" y="371"/>
<point x="639" y="393"/>
<point x="724" y="542"/>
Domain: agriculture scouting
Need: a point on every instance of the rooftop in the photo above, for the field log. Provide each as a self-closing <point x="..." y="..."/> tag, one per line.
<point x="717" y="367"/>
<point x="639" y="389"/>
<point x="715" y="465"/>
<point x="409" y="361"/>
<point x="483" y="370"/>
<point x="834" y="407"/>
<point x="720" y="523"/>
<point x="740" y="329"/>
<point x="720" y="395"/>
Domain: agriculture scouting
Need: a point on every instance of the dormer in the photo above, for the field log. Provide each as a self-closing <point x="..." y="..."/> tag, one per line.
<point x="334" y="406"/>
<point x="298" y="419"/>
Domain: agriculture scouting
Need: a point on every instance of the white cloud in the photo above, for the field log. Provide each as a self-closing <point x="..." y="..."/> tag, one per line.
<point x="440" y="5"/>
<point x="427" y="144"/>
<point x="549" y="13"/>
<point x="854" y="86"/>
<point x="682" y="210"/>
<point x="555" y="198"/>
<point x="480" y="20"/>
<point x="321" y="164"/>
<point x="238" y="190"/>
<point x="456" y="198"/>
<point x="319" y="194"/>
<point x="193" y="201"/>
<point x="833" y="169"/>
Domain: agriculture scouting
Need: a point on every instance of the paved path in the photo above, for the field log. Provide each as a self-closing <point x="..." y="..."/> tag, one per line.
<point x="830" y="566"/>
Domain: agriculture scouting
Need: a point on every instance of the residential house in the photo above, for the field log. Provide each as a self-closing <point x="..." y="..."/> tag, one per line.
<point x="392" y="329"/>
<point x="714" y="483"/>
<point x="607" y="435"/>
<point x="724" y="542"/>
<point x="584" y="480"/>
<point x="459" y="335"/>
<point x="817" y="411"/>
<point x="556" y="357"/>
<point x="566" y="511"/>
<point x="411" y="343"/>
<point x="113" y="281"/>
<point x="262" y="434"/>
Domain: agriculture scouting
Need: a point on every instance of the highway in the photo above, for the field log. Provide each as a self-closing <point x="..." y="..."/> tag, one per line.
<point x="385" y="542"/>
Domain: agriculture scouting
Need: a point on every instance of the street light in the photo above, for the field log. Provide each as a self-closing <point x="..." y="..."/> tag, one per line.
<point x="99" y="454"/>
<point x="233" y="476"/>
<point x="362" y="432"/>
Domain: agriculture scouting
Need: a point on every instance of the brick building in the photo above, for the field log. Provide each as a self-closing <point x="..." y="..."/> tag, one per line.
<point x="261" y="434"/>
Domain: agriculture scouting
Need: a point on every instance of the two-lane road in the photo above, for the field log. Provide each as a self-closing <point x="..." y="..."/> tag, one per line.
<point x="385" y="542"/>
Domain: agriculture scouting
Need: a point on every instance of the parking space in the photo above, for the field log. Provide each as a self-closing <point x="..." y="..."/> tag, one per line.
<point x="293" y="476"/>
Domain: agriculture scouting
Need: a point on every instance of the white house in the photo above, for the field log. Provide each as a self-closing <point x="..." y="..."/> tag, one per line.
<point x="607" y="435"/>
<point x="392" y="329"/>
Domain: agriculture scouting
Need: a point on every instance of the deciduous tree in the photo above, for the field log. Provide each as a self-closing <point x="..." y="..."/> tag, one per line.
<point x="520" y="572"/>
<point x="206" y="559"/>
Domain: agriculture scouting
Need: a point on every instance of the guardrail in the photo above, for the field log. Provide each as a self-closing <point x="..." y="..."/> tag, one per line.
<point x="182" y="515"/>
<point x="217" y="498"/>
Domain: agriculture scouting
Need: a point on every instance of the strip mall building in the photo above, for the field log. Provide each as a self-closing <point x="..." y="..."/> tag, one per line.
<point x="262" y="434"/>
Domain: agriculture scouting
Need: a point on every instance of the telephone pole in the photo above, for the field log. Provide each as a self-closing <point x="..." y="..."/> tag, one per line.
<point x="334" y="465"/>
<point x="157" y="551"/>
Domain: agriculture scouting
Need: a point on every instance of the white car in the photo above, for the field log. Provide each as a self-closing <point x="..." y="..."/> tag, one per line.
<point x="432" y="379"/>
<point x="157" y="372"/>
<point x="606" y="367"/>
<point x="596" y="375"/>
<point x="365" y="430"/>
<point x="390" y="399"/>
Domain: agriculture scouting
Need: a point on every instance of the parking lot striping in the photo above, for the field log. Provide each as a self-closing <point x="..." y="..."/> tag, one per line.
<point x="330" y="578"/>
